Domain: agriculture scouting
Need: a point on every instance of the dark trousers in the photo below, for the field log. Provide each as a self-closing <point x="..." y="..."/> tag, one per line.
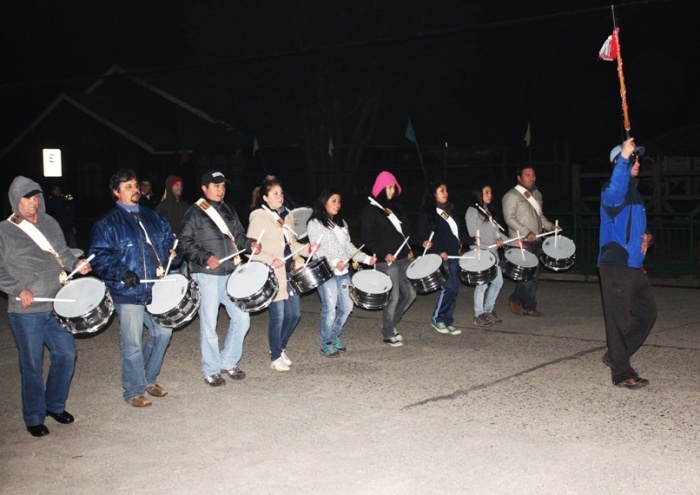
<point x="525" y="291"/>
<point x="630" y="313"/>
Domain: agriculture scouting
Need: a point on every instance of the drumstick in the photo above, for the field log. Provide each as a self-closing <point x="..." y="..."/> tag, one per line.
<point x="313" y="252"/>
<point x="399" y="250"/>
<point x="490" y="217"/>
<point x="226" y="258"/>
<point x="478" y="245"/>
<point x="353" y="255"/>
<point x="252" y="253"/>
<point x="170" y="260"/>
<point x="556" y="236"/>
<point x="154" y="280"/>
<point x="48" y="299"/>
<point x="522" y="249"/>
<point x="295" y="252"/>
<point x="521" y="236"/>
<point x="461" y="257"/>
<point x="79" y="267"/>
<point x="429" y="240"/>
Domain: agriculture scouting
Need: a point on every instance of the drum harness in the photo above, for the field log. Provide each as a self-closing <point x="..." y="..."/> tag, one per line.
<point x="41" y="241"/>
<point x="216" y="218"/>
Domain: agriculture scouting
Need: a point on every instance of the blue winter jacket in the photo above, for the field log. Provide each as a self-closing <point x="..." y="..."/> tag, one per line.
<point x="119" y="245"/>
<point x="623" y="219"/>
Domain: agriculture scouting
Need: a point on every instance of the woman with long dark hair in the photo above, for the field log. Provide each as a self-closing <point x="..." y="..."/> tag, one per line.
<point x="336" y="246"/>
<point x="480" y="218"/>
<point x="448" y="239"/>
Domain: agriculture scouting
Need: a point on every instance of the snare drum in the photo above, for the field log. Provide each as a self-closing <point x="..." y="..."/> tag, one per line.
<point x="174" y="303"/>
<point x="253" y="286"/>
<point x="477" y="268"/>
<point x="370" y="289"/>
<point x="560" y="257"/>
<point x="427" y="273"/>
<point x="311" y="276"/>
<point x="92" y="307"/>
<point x="520" y="264"/>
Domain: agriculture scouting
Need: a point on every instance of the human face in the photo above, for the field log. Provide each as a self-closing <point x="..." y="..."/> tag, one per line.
<point x="441" y="194"/>
<point x="390" y="191"/>
<point x="487" y="195"/>
<point x="177" y="189"/>
<point x="527" y="178"/>
<point x="128" y="193"/>
<point x="29" y="207"/>
<point x="634" y="171"/>
<point x="274" y="198"/>
<point x="333" y="205"/>
<point x="214" y="191"/>
<point x="146" y="187"/>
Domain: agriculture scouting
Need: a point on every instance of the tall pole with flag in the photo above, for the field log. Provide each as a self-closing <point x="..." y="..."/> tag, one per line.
<point x="611" y="51"/>
<point x="528" y="138"/>
<point x="411" y="136"/>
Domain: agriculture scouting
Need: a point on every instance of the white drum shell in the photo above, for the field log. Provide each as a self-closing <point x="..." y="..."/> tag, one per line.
<point x="370" y="289"/>
<point x="174" y="304"/>
<point x="253" y="286"/>
<point x="91" y="310"/>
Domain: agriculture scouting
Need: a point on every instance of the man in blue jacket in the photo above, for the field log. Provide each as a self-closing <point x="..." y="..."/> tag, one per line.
<point x="628" y="301"/>
<point x="131" y="243"/>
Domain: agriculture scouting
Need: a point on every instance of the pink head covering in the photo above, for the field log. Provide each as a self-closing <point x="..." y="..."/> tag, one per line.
<point x="384" y="179"/>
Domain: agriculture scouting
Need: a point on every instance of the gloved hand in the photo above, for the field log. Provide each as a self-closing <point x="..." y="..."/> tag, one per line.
<point x="130" y="279"/>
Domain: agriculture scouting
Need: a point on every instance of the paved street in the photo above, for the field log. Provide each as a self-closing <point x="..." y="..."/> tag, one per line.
<point x="525" y="407"/>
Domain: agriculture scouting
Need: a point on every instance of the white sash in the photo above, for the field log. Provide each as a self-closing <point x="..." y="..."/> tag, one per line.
<point x="530" y="198"/>
<point x="40" y="239"/>
<point x="275" y="216"/>
<point x="216" y="218"/>
<point x="392" y="218"/>
<point x="450" y="221"/>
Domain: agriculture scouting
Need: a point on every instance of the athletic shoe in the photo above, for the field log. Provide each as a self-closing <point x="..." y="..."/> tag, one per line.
<point x="235" y="373"/>
<point x="493" y="317"/>
<point x="481" y="321"/>
<point x="339" y="345"/>
<point x="214" y="380"/>
<point x="278" y="365"/>
<point x="398" y="336"/>
<point x="285" y="358"/>
<point x="393" y="342"/>
<point x="439" y="326"/>
<point x="452" y="330"/>
<point x="330" y="351"/>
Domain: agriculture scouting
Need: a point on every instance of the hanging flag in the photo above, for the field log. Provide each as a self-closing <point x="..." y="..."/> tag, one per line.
<point x="256" y="146"/>
<point x="611" y="47"/>
<point x="330" y="146"/>
<point x="410" y="133"/>
<point x="528" y="136"/>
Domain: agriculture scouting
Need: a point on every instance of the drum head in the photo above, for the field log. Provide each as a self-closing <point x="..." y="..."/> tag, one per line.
<point x="474" y="261"/>
<point x="372" y="282"/>
<point x="521" y="258"/>
<point x="301" y="216"/>
<point x="167" y="295"/>
<point x="88" y="293"/>
<point x="564" y="249"/>
<point x="247" y="279"/>
<point x="423" y="266"/>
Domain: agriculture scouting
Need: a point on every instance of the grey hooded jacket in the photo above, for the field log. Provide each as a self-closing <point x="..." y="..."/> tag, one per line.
<point x="23" y="265"/>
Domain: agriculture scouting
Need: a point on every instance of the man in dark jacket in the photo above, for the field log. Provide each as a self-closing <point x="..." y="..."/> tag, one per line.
<point x="210" y="232"/>
<point x="131" y="244"/>
<point x="628" y="302"/>
<point x="33" y="256"/>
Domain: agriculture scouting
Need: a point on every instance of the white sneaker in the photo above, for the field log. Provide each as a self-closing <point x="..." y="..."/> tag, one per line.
<point x="279" y="365"/>
<point x="398" y="336"/>
<point x="285" y="358"/>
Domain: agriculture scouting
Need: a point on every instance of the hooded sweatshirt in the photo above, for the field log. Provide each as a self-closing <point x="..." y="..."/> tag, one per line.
<point x="23" y="264"/>
<point x="172" y="208"/>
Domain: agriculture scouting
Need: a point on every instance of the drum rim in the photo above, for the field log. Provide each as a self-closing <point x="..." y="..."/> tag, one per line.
<point x="80" y="281"/>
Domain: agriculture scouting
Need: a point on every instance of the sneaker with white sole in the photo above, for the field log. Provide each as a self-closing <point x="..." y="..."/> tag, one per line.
<point x="278" y="365"/>
<point x="439" y="326"/>
<point x="453" y="331"/>
<point x="481" y="321"/>
<point x="393" y="342"/>
<point x="339" y="345"/>
<point x="398" y="336"/>
<point x="285" y="358"/>
<point x="493" y="317"/>
<point x="330" y="351"/>
<point x="214" y="380"/>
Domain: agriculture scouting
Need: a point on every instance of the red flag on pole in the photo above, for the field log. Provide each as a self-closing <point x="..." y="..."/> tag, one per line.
<point x="611" y="47"/>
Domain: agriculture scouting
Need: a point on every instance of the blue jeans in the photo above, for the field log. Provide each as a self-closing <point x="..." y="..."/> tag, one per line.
<point x="402" y="295"/>
<point x="526" y="290"/>
<point x="445" y="306"/>
<point x="140" y="363"/>
<point x="336" y="306"/>
<point x="485" y="295"/>
<point x="284" y="316"/>
<point x="32" y="332"/>
<point x="212" y="291"/>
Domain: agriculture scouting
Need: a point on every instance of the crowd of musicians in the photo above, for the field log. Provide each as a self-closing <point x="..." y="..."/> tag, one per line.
<point x="133" y="247"/>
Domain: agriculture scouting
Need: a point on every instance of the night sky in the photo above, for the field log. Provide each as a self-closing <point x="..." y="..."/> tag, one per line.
<point x="468" y="73"/>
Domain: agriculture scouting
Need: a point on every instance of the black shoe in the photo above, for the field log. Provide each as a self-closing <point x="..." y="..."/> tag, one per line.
<point x="634" y="383"/>
<point x="214" y="380"/>
<point x="606" y="360"/>
<point x="38" y="430"/>
<point x="65" y="418"/>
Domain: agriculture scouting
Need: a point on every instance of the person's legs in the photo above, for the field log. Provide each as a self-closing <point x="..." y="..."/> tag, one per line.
<point x="407" y="294"/>
<point x="274" y="328"/>
<point x="61" y="344"/>
<point x="292" y="315"/>
<point x="445" y="306"/>
<point x="238" y="327"/>
<point x="328" y="293"/>
<point x="208" y="315"/>
<point x="130" y="341"/>
<point x="344" y="305"/>
<point x="389" y="310"/>
<point x="157" y="343"/>
<point x="643" y="312"/>
<point x="494" y="288"/>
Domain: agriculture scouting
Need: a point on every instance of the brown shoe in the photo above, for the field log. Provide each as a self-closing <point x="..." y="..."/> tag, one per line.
<point x="515" y="307"/>
<point x="139" y="401"/>
<point x="531" y="312"/>
<point x="157" y="390"/>
<point x="634" y="383"/>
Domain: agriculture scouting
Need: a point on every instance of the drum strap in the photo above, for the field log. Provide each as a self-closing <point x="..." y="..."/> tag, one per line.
<point x="160" y="271"/>
<point x="530" y="198"/>
<point x="390" y="215"/>
<point x="450" y="221"/>
<point x="216" y="218"/>
<point x="276" y="217"/>
<point x="40" y="240"/>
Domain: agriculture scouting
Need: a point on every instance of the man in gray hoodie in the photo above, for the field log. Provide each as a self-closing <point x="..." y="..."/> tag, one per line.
<point x="29" y="270"/>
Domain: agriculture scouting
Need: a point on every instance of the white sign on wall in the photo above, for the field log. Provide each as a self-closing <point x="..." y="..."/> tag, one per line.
<point x="52" y="163"/>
